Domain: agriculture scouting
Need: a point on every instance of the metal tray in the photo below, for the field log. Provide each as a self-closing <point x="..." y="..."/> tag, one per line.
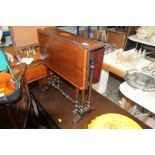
<point x="140" y="80"/>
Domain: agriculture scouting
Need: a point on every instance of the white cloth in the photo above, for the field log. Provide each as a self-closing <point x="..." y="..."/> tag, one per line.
<point x="27" y="60"/>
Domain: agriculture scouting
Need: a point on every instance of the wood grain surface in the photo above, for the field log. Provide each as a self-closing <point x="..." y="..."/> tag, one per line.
<point x="69" y="55"/>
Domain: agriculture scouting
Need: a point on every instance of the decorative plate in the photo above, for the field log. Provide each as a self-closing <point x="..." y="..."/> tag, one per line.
<point x="113" y="121"/>
<point x="141" y="80"/>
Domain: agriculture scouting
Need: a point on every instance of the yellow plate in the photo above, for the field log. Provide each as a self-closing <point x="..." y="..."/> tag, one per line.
<point x="113" y="121"/>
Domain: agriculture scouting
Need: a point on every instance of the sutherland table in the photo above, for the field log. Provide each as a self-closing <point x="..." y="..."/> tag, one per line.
<point x="61" y="110"/>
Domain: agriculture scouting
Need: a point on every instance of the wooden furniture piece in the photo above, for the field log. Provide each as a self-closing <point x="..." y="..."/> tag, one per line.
<point x="35" y="71"/>
<point x="15" y="115"/>
<point x="77" y="59"/>
<point x="119" y="36"/>
<point x="113" y="70"/>
<point x="61" y="111"/>
<point x="24" y="38"/>
<point x="116" y="37"/>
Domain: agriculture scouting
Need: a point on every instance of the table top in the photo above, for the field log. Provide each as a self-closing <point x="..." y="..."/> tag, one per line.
<point x="144" y="99"/>
<point x="59" y="108"/>
<point x="109" y="64"/>
<point x="143" y="41"/>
